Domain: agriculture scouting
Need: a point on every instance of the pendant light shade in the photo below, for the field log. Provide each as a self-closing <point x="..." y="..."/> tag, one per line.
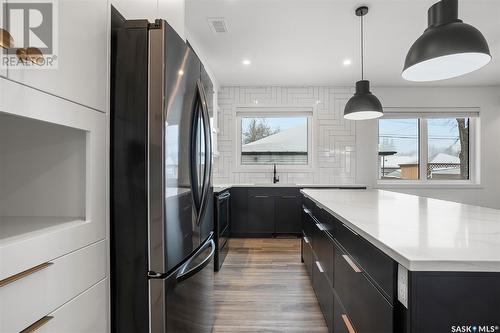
<point x="448" y="47"/>
<point x="363" y="105"/>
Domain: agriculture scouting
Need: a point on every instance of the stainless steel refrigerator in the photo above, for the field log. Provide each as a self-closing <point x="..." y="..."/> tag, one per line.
<point x="162" y="243"/>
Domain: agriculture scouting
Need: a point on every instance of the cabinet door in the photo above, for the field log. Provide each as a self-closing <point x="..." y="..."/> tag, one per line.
<point x="341" y="321"/>
<point x="368" y="309"/>
<point x="260" y="215"/>
<point x="288" y="214"/>
<point x="82" y="56"/>
<point x="239" y="211"/>
<point x="323" y="291"/>
<point x="307" y="255"/>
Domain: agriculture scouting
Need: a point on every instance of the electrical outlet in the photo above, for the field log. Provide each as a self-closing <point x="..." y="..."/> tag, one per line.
<point x="403" y="285"/>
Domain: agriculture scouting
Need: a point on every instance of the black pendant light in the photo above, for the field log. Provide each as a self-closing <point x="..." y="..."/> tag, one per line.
<point x="363" y="105"/>
<point x="448" y="47"/>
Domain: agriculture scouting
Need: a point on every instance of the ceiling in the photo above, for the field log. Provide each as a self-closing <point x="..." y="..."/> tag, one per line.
<point x="304" y="42"/>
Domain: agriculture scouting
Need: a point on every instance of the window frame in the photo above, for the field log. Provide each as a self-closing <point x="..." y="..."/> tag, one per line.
<point x="422" y="115"/>
<point x="273" y="112"/>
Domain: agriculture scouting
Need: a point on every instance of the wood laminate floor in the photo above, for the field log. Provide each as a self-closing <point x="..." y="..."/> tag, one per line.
<point x="263" y="287"/>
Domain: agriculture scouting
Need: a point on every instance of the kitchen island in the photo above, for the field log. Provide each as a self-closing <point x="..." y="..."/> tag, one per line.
<point x="382" y="261"/>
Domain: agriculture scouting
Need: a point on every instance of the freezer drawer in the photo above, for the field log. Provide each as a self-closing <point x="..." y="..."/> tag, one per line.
<point x="183" y="301"/>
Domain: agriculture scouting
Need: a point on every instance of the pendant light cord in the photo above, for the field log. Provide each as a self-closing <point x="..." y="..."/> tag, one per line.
<point x="362" y="50"/>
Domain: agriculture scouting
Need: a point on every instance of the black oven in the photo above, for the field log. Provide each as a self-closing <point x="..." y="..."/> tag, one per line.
<point x="222" y="227"/>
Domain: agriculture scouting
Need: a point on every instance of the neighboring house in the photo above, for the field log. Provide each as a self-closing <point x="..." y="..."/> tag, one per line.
<point x="286" y="147"/>
<point x="441" y="166"/>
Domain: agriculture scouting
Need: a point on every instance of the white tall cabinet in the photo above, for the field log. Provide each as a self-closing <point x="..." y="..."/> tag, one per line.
<point x="54" y="174"/>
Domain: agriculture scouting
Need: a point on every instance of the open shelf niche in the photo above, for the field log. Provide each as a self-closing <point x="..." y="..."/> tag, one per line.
<point x="43" y="177"/>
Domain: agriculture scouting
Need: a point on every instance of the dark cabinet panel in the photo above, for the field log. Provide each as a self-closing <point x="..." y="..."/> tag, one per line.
<point x="324" y="249"/>
<point x="380" y="267"/>
<point x="239" y="210"/>
<point x="287" y="214"/>
<point x="307" y="256"/>
<point x="324" y="292"/>
<point x="367" y="308"/>
<point x="341" y="321"/>
<point x="260" y="218"/>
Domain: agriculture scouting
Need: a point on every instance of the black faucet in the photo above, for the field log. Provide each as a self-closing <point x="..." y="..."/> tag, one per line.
<point x="275" y="178"/>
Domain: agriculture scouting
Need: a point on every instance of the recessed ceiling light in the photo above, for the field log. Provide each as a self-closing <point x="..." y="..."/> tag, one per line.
<point x="347" y="62"/>
<point x="256" y="102"/>
<point x="246" y="62"/>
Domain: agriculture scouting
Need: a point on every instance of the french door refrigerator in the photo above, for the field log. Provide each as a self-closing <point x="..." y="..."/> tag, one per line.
<point x="162" y="243"/>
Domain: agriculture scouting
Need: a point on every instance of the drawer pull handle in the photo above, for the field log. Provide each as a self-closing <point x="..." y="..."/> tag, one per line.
<point x="351" y="263"/>
<point x="306" y="239"/>
<point x="289" y="197"/>
<point x="24" y="274"/>
<point x="321" y="227"/>
<point x="307" y="211"/>
<point x="348" y="324"/>
<point x="37" y="324"/>
<point x="320" y="269"/>
<point x="261" y="196"/>
<point x="354" y="232"/>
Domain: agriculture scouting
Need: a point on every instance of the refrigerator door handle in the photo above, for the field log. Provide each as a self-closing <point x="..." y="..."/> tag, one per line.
<point x="184" y="275"/>
<point x="207" y="172"/>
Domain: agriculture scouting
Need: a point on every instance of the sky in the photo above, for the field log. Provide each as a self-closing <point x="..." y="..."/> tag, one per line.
<point x="403" y="134"/>
<point x="283" y="123"/>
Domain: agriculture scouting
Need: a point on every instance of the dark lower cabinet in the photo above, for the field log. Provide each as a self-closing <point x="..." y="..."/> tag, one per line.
<point x="307" y="256"/>
<point x="265" y="212"/>
<point x="341" y="321"/>
<point x="287" y="214"/>
<point x="239" y="211"/>
<point x="367" y="308"/>
<point x="324" y="292"/>
<point x="260" y="215"/>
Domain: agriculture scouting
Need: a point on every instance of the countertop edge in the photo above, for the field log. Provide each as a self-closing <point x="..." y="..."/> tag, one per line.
<point x="415" y="265"/>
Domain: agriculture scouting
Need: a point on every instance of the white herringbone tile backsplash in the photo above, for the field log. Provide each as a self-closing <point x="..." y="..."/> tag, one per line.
<point x="334" y="142"/>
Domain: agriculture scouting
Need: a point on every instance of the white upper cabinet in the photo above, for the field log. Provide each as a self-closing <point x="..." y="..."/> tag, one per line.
<point x="173" y="11"/>
<point x="82" y="55"/>
<point x="137" y="9"/>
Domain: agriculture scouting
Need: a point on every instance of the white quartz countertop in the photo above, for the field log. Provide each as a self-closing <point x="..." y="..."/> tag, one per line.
<point x="422" y="234"/>
<point x="222" y="187"/>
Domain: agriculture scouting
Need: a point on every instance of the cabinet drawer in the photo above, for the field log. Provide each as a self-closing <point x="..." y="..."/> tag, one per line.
<point x="29" y="298"/>
<point x="273" y="191"/>
<point x="341" y="321"/>
<point x="307" y="256"/>
<point x="324" y="249"/>
<point x="308" y="225"/>
<point x="368" y="309"/>
<point x="324" y="293"/>
<point x="309" y="204"/>
<point x="87" y="313"/>
<point x="381" y="268"/>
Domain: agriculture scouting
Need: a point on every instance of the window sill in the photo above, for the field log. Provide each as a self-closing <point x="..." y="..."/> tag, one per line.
<point x="459" y="185"/>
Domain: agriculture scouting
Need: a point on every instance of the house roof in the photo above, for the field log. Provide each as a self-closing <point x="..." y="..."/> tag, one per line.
<point x="291" y="140"/>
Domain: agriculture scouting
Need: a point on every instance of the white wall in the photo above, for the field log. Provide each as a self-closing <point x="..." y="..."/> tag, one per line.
<point x="486" y="98"/>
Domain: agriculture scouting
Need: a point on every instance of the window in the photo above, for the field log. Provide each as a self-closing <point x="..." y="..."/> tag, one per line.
<point x="274" y="140"/>
<point x="399" y="149"/>
<point x="425" y="149"/>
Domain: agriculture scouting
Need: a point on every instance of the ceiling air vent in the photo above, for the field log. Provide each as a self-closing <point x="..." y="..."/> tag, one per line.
<point x="218" y="25"/>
